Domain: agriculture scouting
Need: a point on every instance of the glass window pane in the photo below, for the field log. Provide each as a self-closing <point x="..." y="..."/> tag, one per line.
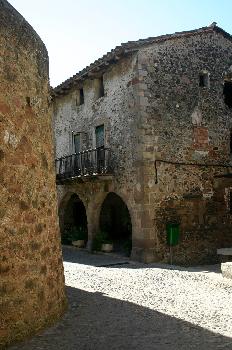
<point x="99" y="136"/>
<point x="77" y="143"/>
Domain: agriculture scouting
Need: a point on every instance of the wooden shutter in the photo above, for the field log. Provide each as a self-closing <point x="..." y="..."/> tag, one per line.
<point x="77" y="143"/>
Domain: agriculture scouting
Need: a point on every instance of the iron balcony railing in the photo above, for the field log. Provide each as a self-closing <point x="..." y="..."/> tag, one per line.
<point x="87" y="163"/>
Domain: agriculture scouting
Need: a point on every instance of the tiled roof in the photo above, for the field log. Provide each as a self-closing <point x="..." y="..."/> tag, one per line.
<point x="127" y="48"/>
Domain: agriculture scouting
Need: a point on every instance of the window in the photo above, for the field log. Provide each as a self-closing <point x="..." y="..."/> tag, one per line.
<point x="100" y="153"/>
<point x="227" y="92"/>
<point x="77" y="143"/>
<point x="101" y="87"/>
<point x="81" y="96"/>
<point x="100" y="136"/>
<point x="204" y="79"/>
<point x="231" y="142"/>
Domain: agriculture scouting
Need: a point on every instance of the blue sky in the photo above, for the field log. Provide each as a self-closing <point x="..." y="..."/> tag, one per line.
<point x="76" y="32"/>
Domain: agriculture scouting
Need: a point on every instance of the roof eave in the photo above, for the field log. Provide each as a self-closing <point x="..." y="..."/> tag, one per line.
<point x="126" y="49"/>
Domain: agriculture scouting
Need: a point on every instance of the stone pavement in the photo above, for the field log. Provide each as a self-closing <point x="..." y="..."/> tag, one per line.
<point x="118" y="307"/>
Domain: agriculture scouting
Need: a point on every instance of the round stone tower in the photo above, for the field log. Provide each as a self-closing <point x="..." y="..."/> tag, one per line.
<point x="31" y="271"/>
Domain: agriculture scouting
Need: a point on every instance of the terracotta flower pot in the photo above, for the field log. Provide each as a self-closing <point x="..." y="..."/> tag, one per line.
<point x="79" y="243"/>
<point x="107" y="247"/>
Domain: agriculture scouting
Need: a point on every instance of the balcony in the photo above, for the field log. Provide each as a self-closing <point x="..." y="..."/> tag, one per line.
<point x="85" y="165"/>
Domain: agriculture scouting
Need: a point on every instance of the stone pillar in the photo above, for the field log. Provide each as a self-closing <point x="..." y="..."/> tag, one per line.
<point x="93" y="212"/>
<point x="145" y="237"/>
<point x="144" y="245"/>
<point x="31" y="271"/>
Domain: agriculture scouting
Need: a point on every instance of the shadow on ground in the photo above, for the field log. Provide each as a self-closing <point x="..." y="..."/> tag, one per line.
<point x="83" y="257"/>
<point x="97" y="322"/>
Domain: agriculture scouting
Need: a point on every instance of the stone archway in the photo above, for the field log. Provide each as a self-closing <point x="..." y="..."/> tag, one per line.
<point x="115" y="219"/>
<point x="72" y="214"/>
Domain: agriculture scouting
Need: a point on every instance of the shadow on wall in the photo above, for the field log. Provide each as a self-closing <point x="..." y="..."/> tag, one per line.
<point x="97" y="322"/>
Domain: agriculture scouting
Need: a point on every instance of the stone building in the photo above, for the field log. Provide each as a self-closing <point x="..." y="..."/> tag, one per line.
<point x="143" y="139"/>
<point x="31" y="270"/>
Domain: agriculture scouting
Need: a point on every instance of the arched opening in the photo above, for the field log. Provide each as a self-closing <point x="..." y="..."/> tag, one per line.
<point x="115" y="220"/>
<point x="227" y="92"/>
<point x="74" y="225"/>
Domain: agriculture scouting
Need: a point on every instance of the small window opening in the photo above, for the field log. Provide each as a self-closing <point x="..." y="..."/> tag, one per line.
<point x="204" y="79"/>
<point x="227" y="92"/>
<point x="28" y="100"/>
<point x="230" y="142"/>
<point x="81" y="96"/>
<point x="101" y="87"/>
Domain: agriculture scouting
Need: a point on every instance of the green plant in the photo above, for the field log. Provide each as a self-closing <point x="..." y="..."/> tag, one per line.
<point x="65" y="239"/>
<point x="102" y="237"/>
<point x="77" y="234"/>
<point x="106" y="238"/>
<point x="127" y="246"/>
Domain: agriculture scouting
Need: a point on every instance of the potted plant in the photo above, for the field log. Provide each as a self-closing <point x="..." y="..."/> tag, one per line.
<point x="102" y="242"/>
<point x="127" y="246"/>
<point x="107" y="243"/>
<point x="78" y="236"/>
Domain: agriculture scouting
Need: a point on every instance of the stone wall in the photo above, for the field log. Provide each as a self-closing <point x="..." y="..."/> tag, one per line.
<point x="116" y="110"/>
<point x="170" y="138"/>
<point x="31" y="271"/>
<point x="187" y="127"/>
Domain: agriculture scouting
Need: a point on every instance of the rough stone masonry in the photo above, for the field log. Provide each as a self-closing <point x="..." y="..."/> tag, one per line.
<point x="31" y="270"/>
<point x="166" y="111"/>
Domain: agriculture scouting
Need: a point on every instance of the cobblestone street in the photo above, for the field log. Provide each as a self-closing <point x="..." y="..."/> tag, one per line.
<point x="117" y="304"/>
